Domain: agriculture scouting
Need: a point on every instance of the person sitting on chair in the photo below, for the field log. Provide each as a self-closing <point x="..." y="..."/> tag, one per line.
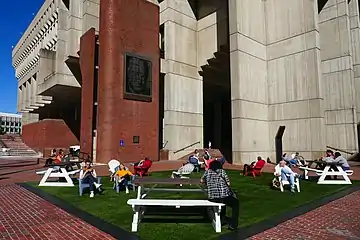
<point x="124" y="176"/>
<point x="194" y="160"/>
<point x="286" y="174"/>
<point x="51" y="159"/>
<point x="247" y="167"/>
<point x="289" y="160"/>
<point x="88" y="175"/>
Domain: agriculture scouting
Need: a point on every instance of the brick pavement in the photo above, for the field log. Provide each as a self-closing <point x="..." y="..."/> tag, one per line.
<point x="336" y="220"/>
<point x="24" y="215"/>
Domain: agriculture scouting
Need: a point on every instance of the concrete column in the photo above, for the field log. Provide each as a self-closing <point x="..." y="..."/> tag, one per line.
<point x="33" y="92"/>
<point x="295" y="96"/>
<point x="19" y="99"/>
<point x="355" y="43"/>
<point x="338" y="75"/>
<point x="249" y="93"/>
<point x="91" y="10"/>
<point x="183" y="86"/>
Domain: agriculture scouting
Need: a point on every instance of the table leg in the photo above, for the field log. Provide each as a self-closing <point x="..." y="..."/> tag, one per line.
<point x="216" y="219"/>
<point x="46" y="176"/>
<point x="135" y="223"/>
<point x="139" y="191"/>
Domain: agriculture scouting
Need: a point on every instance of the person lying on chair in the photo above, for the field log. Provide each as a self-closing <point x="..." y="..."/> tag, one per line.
<point x="124" y="176"/>
<point x="286" y="174"/>
<point x="88" y="175"/>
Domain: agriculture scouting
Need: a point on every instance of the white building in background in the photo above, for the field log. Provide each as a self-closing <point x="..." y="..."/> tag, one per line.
<point x="10" y="123"/>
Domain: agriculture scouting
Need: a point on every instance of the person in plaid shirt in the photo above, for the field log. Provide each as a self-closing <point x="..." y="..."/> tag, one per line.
<point x="218" y="189"/>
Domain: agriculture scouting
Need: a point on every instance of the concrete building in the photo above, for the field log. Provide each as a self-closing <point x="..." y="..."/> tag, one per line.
<point x="10" y="123"/>
<point x="232" y="72"/>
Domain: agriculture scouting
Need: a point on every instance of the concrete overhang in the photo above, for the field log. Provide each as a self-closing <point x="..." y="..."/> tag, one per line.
<point x="73" y="64"/>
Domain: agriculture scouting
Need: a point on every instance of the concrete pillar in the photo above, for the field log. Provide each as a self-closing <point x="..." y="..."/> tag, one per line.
<point x="250" y="135"/>
<point x="33" y="91"/>
<point x="183" y="85"/>
<point x="338" y="75"/>
<point x="355" y="43"/>
<point x="295" y="94"/>
<point x="19" y="99"/>
<point x="91" y="10"/>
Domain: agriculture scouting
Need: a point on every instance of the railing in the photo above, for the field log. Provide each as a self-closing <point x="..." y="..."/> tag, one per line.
<point x="184" y="148"/>
<point x="49" y="76"/>
<point x="339" y="150"/>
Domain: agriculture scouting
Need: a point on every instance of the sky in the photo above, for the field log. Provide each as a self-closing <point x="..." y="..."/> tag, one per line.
<point x="15" y="17"/>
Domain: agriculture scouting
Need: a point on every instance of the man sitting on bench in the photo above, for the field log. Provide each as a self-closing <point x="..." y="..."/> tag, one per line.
<point x="340" y="160"/>
<point x="218" y="189"/>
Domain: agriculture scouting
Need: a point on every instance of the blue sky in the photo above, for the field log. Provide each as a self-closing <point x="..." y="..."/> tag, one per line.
<point x="14" y="19"/>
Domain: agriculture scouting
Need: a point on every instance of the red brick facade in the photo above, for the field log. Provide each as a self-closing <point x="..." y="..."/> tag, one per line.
<point x="87" y="66"/>
<point x="48" y="133"/>
<point x="127" y="26"/>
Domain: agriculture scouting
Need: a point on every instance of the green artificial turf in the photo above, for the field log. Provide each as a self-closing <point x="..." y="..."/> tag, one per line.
<point x="257" y="202"/>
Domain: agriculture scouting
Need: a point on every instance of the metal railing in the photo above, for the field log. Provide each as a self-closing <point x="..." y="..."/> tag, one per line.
<point x="184" y="148"/>
<point x="339" y="150"/>
<point x="164" y="144"/>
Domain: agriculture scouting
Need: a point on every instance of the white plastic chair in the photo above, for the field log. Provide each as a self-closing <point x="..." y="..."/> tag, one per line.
<point x="285" y="182"/>
<point x="184" y="171"/>
<point x="113" y="165"/>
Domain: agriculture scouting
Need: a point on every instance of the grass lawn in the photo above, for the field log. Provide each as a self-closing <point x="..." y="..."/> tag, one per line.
<point x="257" y="202"/>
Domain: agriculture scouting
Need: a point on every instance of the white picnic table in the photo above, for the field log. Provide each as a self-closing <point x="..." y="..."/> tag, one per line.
<point x="329" y="171"/>
<point x="141" y="201"/>
<point x="56" y="172"/>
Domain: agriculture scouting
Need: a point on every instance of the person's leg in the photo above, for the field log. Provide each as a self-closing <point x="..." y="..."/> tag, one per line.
<point x="234" y="204"/>
<point x="246" y="168"/>
<point x="48" y="162"/>
<point x="287" y="176"/>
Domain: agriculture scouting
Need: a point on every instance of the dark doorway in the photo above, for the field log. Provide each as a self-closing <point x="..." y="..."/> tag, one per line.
<point x="217" y="119"/>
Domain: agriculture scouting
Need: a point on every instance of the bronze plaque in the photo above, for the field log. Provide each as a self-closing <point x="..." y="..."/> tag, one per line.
<point x="138" y="78"/>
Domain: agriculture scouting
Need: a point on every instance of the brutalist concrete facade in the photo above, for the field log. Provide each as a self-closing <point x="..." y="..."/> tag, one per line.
<point x="277" y="62"/>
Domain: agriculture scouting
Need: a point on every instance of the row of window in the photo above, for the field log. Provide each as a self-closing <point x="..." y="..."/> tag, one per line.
<point x="12" y="130"/>
<point x="16" y="124"/>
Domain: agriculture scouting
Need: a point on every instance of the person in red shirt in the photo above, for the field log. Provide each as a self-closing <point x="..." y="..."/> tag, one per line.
<point x="59" y="157"/>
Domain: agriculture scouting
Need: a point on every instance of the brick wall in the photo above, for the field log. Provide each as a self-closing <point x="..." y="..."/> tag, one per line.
<point x="48" y="133"/>
<point x="127" y="26"/>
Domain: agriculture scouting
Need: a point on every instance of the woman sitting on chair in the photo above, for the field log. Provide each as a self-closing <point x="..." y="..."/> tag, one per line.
<point x="88" y="175"/>
<point x="124" y="176"/>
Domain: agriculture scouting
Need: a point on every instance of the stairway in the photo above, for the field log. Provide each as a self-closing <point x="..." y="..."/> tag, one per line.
<point x="15" y="146"/>
<point x="215" y="153"/>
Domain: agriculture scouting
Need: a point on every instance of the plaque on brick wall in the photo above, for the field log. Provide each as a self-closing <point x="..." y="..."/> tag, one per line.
<point x="138" y="77"/>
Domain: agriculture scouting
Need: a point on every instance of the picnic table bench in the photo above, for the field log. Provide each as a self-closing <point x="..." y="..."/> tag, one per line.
<point x="140" y="203"/>
<point x="57" y="171"/>
<point x="328" y="171"/>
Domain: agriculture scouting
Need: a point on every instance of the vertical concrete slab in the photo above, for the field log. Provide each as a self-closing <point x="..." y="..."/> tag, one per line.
<point x="295" y="94"/>
<point x="249" y="94"/>
<point x="338" y="75"/>
<point x="355" y="53"/>
<point x="183" y="84"/>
